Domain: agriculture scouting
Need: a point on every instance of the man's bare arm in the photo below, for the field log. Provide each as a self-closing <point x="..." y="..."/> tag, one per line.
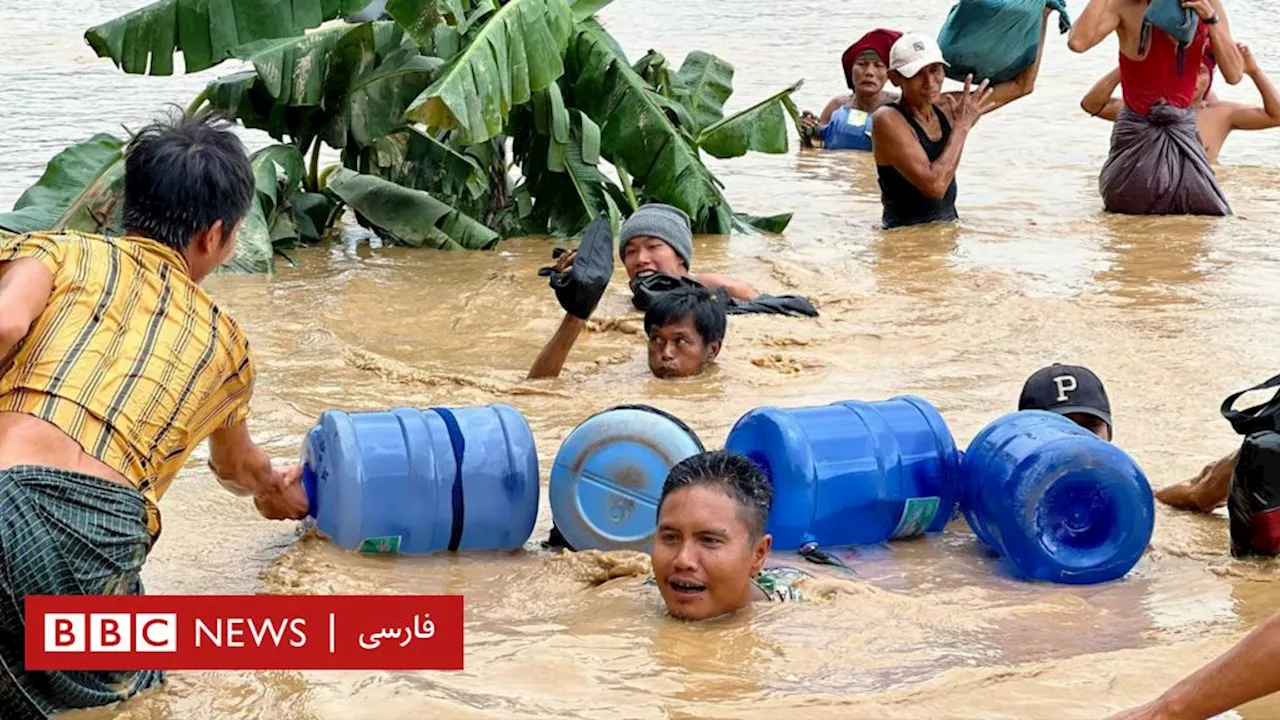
<point x="896" y="144"/>
<point x="554" y="354"/>
<point x="1099" y="19"/>
<point x="25" y="287"/>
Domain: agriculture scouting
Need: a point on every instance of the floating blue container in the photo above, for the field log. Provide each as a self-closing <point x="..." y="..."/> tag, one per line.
<point x="1057" y="502"/>
<point x="608" y="476"/>
<point x="852" y="473"/>
<point x="420" y="481"/>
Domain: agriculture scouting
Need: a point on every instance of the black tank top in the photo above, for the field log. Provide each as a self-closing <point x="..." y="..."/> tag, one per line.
<point x="904" y="204"/>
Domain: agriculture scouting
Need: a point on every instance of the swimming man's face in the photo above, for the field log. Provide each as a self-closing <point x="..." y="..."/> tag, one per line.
<point x="1202" y="82"/>
<point x="703" y="556"/>
<point x="650" y="254"/>
<point x="1092" y="423"/>
<point x="678" y="350"/>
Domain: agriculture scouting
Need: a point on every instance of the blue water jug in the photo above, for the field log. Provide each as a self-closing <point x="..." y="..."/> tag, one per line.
<point x="852" y="473"/>
<point x="1057" y="502"/>
<point x="419" y="481"/>
<point x="607" y="477"/>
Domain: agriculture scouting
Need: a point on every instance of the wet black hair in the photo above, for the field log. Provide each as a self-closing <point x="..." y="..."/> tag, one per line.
<point x="182" y="176"/>
<point x="705" y="307"/>
<point x="734" y="475"/>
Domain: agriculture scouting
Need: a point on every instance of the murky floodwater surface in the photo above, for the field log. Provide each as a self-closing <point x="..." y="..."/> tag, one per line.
<point x="1173" y="313"/>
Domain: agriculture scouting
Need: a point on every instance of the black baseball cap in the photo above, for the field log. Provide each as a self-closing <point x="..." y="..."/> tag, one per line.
<point x="1066" y="389"/>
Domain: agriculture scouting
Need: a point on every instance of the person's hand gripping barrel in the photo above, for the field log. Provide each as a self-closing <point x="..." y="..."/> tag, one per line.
<point x="580" y="277"/>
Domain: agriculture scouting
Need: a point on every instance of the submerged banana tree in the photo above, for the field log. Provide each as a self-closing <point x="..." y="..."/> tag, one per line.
<point x="431" y="108"/>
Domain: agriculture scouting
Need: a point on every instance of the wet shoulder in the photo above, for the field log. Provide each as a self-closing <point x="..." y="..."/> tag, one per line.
<point x="781" y="584"/>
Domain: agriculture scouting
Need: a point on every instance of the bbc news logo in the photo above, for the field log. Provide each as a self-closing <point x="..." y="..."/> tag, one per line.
<point x="255" y="632"/>
<point x="110" y="632"/>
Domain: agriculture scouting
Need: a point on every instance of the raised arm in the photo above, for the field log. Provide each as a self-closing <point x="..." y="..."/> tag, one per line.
<point x="1244" y="117"/>
<point x="25" y="286"/>
<point x="1225" y="52"/>
<point x="1099" y="101"/>
<point x="554" y="354"/>
<point x="1025" y="83"/>
<point x="1248" y="671"/>
<point x="739" y="289"/>
<point x="1099" y="19"/>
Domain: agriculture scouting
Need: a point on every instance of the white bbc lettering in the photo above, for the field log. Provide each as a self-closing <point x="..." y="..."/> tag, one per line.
<point x="110" y="632"/>
<point x="230" y="632"/>
<point x="64" y="632"/>
<point x="1066" y="384"/>
<point x="155" y="632"/>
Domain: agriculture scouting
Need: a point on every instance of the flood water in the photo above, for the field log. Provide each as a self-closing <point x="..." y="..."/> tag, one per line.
<point x="1173" y="313"/>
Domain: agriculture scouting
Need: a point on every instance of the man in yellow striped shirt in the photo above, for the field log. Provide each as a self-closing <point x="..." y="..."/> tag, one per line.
<point x="114" y="366"/>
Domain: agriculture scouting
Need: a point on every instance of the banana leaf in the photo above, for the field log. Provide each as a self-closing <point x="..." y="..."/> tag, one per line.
<point x="703" y="85"/>
<point x="205" y="31"/>
<point x="771" y="224"/>
<point x="761" y="127"/>
<point x="584" y="9"/>
<point x="411" y="217"/>
<point x="81" y="189"/>
<point x="518" y="50"/>
<point x="416" y="160"/>
<point x="277" y="174"/>
<point x="637" y="133"/>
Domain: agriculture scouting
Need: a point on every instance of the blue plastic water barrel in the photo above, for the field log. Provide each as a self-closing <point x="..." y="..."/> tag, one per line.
<point x="392" y="481"/>
<point x="852" y="473"/>
<point x="1057" y="502"/>
<point x="607" y="477"/>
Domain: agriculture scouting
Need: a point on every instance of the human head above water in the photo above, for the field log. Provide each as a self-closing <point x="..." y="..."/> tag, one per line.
<point x="866" y="62"/>
<point x="1073" y="391"/>
<point x="1204" y="82"/>
<point x="917" y="67"/>
<point x="685" y="328"/>
<point x="188" y="185"/>
<point x="711" y="540"/>
<point x="656" y="238"/>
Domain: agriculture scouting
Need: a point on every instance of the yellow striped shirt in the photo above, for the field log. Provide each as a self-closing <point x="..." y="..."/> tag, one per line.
<point x="131" y="358"/>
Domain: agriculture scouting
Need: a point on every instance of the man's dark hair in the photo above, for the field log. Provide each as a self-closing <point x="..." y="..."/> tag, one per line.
<point x="734" y="475"/>
<point x="705" y="307"/>
<point x="184" y="175"/>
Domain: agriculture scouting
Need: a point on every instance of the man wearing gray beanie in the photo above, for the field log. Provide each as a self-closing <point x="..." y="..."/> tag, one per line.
<point x="659" y="238"/>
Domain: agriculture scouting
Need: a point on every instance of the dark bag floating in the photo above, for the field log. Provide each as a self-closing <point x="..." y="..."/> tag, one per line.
<point x="1254" y="502"/>
<point x="579" y="290"/>
<point x="1158" y="166"/>
<point x="995" y="39"/>
<point x="646" y="287"/>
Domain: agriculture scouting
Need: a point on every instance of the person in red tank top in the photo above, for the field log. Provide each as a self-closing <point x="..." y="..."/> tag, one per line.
<point x="1157" y="164"/>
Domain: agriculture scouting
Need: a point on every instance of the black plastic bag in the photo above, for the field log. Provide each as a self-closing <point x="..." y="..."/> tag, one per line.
<point x="1254" y="502"/>
<point x="648" y="286"/>
<point x="579" y="290"/>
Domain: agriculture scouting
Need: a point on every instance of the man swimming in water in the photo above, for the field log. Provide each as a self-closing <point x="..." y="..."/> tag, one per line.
<point x="919" y="139"/>
<point x="1215" y="119"/>
<point x="845" y="123"/>
<point x="685" y="330"/>
<point x="1072" y="391"/>
<point x="710" y="546"/>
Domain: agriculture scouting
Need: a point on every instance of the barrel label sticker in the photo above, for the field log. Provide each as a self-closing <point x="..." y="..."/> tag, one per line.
<point x="381" y="545"/>
<point x="917" y="516"/>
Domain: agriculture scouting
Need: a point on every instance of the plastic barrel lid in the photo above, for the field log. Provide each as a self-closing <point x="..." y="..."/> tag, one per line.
<point x="608" y="476"/>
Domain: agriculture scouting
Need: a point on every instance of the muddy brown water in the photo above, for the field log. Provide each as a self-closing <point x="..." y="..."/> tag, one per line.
<point x="1173" y="313"/>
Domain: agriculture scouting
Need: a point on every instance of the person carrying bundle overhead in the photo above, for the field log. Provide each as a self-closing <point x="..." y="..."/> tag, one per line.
<point x="1158" y="164"/>
<point x="845" y="123"/>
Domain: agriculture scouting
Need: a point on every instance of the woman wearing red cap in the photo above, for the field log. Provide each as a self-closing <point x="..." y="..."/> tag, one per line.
<point x="1215" y="119"/>
<point x="845" y="124"/>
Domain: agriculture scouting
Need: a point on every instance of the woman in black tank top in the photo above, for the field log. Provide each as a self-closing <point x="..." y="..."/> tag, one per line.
<point x="917" y="170"/>
<point x="904" y="203"/>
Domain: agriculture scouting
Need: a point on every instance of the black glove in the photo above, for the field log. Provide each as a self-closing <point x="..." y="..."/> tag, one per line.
<point x="579" y="290"/>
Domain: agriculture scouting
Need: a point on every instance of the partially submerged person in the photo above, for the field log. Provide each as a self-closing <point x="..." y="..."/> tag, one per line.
<point x="685" y="330"/>
<point x="1158" y="164"/>
<point x="1215" y="119"/>
<point x="845" y="123"/>
<point x="659" y="238"/>
<point x="919" y="139"/>
<point x="1071" y="391"/>
<point x="119" y="365"/>
<point x="710" y="546"/>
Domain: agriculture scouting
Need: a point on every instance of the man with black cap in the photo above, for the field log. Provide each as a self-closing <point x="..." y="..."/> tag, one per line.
<point x="1073" y="391"/>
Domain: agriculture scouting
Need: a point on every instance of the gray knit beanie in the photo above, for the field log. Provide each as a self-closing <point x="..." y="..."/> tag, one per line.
<point x="669" y="224"/>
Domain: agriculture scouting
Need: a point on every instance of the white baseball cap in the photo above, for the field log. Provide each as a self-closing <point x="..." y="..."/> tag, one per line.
<point x="914" y="52"/>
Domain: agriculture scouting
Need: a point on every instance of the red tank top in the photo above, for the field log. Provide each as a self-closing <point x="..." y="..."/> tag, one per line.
<point x="1145" y="82"/>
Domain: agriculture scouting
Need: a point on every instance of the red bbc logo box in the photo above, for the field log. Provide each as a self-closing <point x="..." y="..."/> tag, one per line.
<point x="244" y="632"/>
